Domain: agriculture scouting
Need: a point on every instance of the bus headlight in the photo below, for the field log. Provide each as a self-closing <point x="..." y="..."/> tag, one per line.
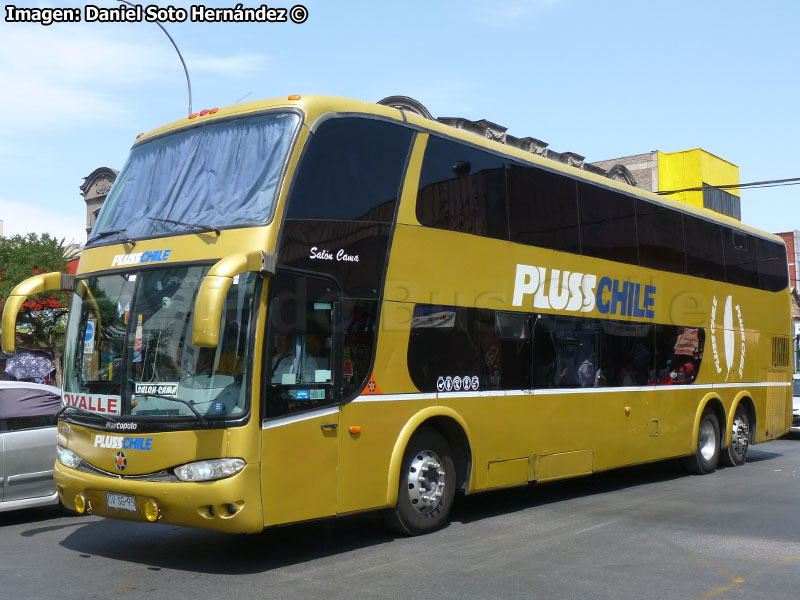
<point x="67" y="457"/>
<point x="209" y="470"/>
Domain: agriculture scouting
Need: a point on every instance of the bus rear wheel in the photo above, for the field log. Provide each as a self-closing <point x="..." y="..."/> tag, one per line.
<point x="736" y="453"/>
<point x="706" y="458"/>
<point x="427" y="485"/>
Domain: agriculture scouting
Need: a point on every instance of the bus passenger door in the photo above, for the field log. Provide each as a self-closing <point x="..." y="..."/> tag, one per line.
<point x="301" y="408"/>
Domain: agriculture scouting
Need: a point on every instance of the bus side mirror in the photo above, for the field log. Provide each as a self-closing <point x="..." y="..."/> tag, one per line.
<point x="215" y="286"/>
<point x="45" y="282"/>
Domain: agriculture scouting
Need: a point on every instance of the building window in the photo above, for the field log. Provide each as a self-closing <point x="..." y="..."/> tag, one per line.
<point x="721" y="201"/>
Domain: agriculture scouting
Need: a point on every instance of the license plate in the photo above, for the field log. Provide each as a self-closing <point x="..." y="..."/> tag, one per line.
<point x="121" y="502"/>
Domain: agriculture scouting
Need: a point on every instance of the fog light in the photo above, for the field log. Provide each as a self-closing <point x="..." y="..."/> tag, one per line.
<point x="80" y="504"/>
<point x="151" y="511"/>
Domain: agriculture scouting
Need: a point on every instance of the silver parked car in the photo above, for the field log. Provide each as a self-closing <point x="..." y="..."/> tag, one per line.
<point x="27" y="444"/>
<point x="796" y="401"/>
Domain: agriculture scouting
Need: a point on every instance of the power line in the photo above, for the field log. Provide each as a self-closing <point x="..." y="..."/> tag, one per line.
<point x="753" y="184"/>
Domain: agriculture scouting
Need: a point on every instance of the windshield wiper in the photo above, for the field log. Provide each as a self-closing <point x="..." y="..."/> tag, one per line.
<point x="103" y="234"/>
<point x="186" y="403"/>
<point x="83" y="411"/>
<point x="199" y="226"/>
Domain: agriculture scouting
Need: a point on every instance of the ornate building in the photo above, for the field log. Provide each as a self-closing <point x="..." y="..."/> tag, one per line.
<point x="94" y="190"/>
<point x="498" y="133"/>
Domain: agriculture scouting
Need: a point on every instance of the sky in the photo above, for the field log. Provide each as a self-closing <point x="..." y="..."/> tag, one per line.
<point x="600" y="78"/>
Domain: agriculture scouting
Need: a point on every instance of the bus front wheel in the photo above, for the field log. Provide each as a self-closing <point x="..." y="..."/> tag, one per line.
<point x="706" y="457"/>
<point x="427" y="485"/>
<point x="736" y="453"/>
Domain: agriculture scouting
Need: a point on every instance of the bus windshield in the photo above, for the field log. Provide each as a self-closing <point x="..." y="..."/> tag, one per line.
<point x="129" y="348"/>
<point x="181" y="182"/>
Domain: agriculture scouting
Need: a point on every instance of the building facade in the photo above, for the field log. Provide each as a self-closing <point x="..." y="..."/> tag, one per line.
<point x="94" y="190"/>
<point x="697" y="171"/>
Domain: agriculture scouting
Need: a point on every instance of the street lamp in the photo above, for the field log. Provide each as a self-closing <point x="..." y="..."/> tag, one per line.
<point x="183" y="62"/>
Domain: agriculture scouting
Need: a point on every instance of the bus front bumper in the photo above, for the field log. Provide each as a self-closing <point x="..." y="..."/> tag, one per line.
<point x="232" y="504"/>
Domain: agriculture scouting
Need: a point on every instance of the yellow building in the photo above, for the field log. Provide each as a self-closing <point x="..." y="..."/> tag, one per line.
<point x="658" y="171"/>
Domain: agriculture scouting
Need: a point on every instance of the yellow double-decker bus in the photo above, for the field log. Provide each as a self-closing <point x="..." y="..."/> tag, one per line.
<point x="298" y="308"/>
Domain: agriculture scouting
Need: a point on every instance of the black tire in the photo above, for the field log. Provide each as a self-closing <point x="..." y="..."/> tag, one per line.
<point x="735" y="454"/>
<point x="428" y="457"/>
<point x="705" y="459"/>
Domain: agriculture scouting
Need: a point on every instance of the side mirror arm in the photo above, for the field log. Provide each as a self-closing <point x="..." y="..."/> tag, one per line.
<point x="214" y="288"/>
<point x="45" y="282"/>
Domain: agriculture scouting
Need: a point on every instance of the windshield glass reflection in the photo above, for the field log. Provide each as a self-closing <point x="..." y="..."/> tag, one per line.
<point x="129" y="347"/>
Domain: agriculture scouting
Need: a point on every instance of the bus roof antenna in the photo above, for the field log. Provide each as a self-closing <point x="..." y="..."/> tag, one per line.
<point x="183" y="62"/>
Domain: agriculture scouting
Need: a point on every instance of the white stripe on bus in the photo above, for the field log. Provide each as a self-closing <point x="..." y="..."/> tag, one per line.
<point x="332" y="410"/>
<point x="555" y="392"/>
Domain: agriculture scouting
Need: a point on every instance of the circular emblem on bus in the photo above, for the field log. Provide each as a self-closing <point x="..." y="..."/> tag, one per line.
<point x="120" y="461"/>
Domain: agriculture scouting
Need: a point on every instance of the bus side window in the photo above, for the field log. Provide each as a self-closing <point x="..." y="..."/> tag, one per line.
<point x="358" y="343"/>
<point x="543" y="208"/>
<point x="299" y="371"/>
<point x="462" y="189"/>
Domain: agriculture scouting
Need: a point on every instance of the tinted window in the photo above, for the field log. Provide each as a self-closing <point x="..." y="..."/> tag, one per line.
<point x="565" y="352"/>
<point x="462" y="189"/>
<point x="703" y="241"/>
<point x="505" y="350"/>
<point x="354" y="252"/>
<point x="443" y="343"/>
<point x="660" y="235"/>
<point x="740" y="258"/>
<point x="300" y="354"/>
<point x="19" y="423"/>
<point x="351" y="170"/>
<point x="679" y="352"/>
<point x="360" y="319"/>
<point x="543" y="208"/>
<point x="573" y="352"/>
<point x="495" y="349"/>
<point x="772" y="267"/>
<point x="608" y="224"/>
<point x="462" y="349"/>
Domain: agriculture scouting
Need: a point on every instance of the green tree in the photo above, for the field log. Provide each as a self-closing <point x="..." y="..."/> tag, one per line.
<point x="42" y="319"/>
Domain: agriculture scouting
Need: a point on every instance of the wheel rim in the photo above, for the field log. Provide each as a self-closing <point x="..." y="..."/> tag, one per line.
<point x="426" y="481"/>
<point x="707" y="440"/>
<point x="740" y="436"/>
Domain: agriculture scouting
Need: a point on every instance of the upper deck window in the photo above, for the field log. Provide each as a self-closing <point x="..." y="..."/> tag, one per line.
<point x="462" y="189"/>
<point x="223" y="174"/>
<point x="351" y="171"/>
<point x="543" y="208"/>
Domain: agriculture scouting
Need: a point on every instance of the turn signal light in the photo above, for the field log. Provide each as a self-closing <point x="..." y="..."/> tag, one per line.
<point x="294" y="97"/>
<point x="354" y="429"/>
<point x="151" y="511"/>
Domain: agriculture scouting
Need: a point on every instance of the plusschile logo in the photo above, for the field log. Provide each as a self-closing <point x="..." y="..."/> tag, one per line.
<point x="571" y="291"/>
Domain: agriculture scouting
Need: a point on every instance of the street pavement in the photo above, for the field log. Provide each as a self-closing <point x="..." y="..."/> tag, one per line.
<point x="643" y="532"/>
